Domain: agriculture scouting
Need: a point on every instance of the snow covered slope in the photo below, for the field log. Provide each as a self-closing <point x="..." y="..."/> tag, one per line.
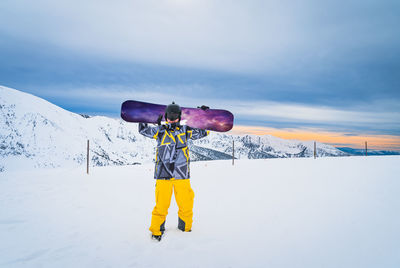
<point x="36" y="133"/>
<point x="267" y="146"/>
<point x="352" y="151"/>
<point x="300" y="212"/>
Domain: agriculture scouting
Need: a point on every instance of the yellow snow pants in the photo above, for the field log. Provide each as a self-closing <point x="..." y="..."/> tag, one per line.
<point x="184" y="197"/>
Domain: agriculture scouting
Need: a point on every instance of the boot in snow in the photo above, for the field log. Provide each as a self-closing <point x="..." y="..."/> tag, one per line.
<point x="156" y="237"/>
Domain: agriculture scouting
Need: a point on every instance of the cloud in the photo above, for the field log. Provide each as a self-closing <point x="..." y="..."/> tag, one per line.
<point x="379" y="117"/>
<point x="337" y="138"/>
<point x="276" y="63"/>
<point x="350" y="135"/>
<point x="308" y="52"/>
<point x="278" y="37"/>
<point x="308" y="113"/>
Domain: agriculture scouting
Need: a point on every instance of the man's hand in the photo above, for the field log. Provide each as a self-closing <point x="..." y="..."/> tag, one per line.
<point x="204" y="108"/>
<point x="159" y="119"/>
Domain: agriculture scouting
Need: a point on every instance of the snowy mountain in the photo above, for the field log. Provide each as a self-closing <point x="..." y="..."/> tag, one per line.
<point x="267" y="146"/>
<point x="352" y="151"/>
<point x="37" y="133"/>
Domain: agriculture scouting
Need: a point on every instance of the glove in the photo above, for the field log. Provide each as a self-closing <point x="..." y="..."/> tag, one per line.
<point x="159" y="119"/>
<point x="204" y="108"/>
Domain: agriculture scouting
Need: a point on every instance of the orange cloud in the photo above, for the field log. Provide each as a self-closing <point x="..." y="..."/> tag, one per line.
<point x="377" y="142"/>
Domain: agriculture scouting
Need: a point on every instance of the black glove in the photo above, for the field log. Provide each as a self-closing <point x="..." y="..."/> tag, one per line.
<point x="159" y="119"/>
<point x="203" y="107"/>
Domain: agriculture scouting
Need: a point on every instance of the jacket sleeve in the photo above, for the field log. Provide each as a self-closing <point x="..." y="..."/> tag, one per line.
<point x="148" y="131"/>
<point x="197" y="133"/>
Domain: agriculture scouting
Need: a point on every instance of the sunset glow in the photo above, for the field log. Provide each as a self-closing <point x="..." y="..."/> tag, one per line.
<point x="337" y="139"/>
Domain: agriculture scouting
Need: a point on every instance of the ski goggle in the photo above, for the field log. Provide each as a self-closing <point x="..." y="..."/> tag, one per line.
<point x="172" y="116"/>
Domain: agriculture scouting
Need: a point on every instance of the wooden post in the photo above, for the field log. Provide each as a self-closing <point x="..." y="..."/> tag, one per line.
<point x="233" y="153"/>
<point x="87" y="158"/>
<point x="315" y="149"/>
<point x="366" y="149"/>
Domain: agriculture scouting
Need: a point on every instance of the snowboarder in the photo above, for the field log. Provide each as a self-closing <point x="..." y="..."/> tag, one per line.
<point x="172" y="172"/>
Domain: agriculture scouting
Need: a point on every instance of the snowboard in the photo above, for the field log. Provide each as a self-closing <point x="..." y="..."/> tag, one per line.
<point x="203" y="118"/>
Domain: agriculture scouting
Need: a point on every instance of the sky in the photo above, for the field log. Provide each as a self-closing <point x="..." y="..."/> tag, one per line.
<point x="309" y="70"/>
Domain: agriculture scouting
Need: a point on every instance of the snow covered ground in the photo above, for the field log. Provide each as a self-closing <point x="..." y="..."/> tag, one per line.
<point x="328" y="212"/>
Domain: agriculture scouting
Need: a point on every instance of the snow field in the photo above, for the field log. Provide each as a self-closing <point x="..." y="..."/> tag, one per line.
<point x="301" y="212"/>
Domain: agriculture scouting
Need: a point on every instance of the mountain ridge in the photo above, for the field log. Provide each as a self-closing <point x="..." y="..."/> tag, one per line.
<point x="353" y="151"/>
<point x="35" y="133"/>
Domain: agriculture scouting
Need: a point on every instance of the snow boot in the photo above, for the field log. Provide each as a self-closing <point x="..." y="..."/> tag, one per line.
<point x="182" y="225"/>
<point x="156" y="237"/>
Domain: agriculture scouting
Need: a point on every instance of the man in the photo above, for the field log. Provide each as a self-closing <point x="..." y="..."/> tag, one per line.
<point x="172" y="170"/>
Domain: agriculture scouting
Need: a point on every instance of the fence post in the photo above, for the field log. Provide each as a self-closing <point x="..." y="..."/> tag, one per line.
<point x="315" y="150"/>
<point x="233" y="153"/>
<point x="366" y="149"/>
<point x="87" y="158"/>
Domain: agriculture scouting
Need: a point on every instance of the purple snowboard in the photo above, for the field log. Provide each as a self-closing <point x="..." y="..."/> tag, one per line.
<point x="210" y="119"/>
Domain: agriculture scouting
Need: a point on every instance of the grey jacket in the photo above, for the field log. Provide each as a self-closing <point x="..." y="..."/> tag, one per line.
<point x="172" y="156"/>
